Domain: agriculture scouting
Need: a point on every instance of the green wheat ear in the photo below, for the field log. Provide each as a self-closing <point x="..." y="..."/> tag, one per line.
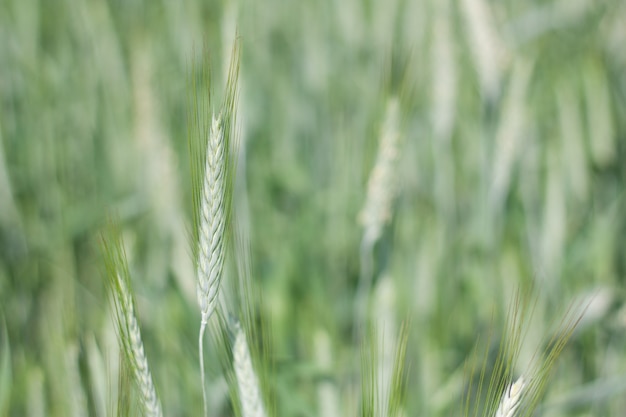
<point x="128" y="332"/>
<point x="250" y="341"/>
<point x="212" y="140"/>
<point x="507" y="394"/>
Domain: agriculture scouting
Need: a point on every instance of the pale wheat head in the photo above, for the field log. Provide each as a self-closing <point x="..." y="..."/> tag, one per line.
<point x="212" y="222"/>
<point x="210" y="256"/>
<point x="212" y="169"/>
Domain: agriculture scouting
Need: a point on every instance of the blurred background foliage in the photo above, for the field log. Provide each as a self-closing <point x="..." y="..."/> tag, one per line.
<point x="510" y="173"/>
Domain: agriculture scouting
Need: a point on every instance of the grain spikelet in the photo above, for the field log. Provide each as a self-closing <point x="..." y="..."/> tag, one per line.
<point x="511" y="399"/>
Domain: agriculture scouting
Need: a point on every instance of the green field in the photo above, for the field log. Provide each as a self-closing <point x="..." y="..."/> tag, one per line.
<point x="406" y="172"/>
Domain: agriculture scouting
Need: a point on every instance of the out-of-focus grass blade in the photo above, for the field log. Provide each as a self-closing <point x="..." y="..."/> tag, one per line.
<point x="5" y="368"/>
<point x="36" y="403"/>
<point x="599" y="115"/>
<point x="590" y="393"/>
<point x="510" y="134"/>
<point x="572" y="141"/>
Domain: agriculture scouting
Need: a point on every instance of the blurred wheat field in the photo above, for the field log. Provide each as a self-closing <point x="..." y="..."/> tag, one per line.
<point x="505" y="170"/>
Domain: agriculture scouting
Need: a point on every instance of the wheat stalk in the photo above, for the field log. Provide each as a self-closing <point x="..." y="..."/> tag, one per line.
<point x="247" y="381"/>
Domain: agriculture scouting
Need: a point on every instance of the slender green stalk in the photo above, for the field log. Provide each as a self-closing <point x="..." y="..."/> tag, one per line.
<point x="5" y="367"/>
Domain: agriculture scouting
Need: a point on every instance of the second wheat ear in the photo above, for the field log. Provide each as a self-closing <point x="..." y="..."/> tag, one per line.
<point x="129" y="333"/>
<point x="247" y="380"/>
